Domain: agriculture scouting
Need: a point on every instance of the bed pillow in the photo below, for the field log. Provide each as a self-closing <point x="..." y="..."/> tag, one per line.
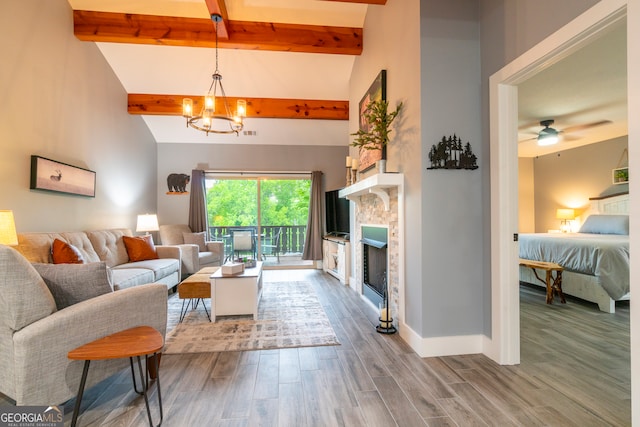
<point x="71" y="283"/>
<point x="65" y="253"/>
<point x="140" y="248"/>
<point x="195" y="239"/>
<point x="606" y="224"/>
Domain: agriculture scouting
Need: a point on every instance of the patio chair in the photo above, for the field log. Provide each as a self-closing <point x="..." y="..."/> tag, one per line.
<point x="243" y="241"/>
<point x="272" y="247"/>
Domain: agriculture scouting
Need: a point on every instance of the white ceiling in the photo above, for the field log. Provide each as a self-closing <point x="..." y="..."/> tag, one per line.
<point x="588" y="86"/>
<point x="187" y="70"/>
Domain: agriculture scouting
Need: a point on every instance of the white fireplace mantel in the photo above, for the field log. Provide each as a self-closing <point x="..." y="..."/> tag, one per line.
<point x="378" y="184"/>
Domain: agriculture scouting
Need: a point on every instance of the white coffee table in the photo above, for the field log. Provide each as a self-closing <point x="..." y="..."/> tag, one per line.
<point x="237" y="294"/>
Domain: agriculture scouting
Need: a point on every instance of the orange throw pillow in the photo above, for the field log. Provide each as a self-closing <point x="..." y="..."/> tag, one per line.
<point x="64" y="253"/>
<point x="140" y="248"/>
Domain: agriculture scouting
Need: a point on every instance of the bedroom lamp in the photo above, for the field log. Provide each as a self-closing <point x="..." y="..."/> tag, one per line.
<point x="8" y="234"/>
<point x="147" y="223"/>
<point x="565" y="215"/>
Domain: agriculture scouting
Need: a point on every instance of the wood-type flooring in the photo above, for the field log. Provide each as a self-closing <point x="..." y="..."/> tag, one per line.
<point x="574" y="371"/>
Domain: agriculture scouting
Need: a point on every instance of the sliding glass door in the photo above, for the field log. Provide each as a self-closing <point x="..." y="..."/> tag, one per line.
<point x="275" y="209"/>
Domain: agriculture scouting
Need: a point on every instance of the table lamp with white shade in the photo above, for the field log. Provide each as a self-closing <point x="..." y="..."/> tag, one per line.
<point x="147" y="223"/>
<point x="8" y="235"/>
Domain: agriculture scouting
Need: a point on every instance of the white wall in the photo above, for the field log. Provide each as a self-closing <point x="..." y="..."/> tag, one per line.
<point x="61" y="100"/>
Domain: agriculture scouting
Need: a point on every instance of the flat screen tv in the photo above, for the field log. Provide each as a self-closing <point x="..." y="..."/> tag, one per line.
<point x="337" y="214"/>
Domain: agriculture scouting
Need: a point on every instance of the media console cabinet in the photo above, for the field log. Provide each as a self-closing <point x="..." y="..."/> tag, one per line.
<point x="337" y="257"/>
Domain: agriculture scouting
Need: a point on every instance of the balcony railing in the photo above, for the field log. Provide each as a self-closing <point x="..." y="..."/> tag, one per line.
<point x="291" y="240"/>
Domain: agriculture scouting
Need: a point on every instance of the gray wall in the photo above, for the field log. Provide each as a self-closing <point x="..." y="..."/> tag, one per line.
<point x="508" y="29"/>
<point x="182" y="158"/>
<point x="61" y="100"/>
<point x="569" y="178"/>
<point x="451" y="199"/>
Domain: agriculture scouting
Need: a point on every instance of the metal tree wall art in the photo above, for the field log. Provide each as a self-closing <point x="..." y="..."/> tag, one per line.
<point x="449" y="154"/>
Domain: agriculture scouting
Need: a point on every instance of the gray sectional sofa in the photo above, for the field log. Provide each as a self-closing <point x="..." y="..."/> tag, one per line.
<point x="36" y="336"/>
<point x="43" y="317"/>
<point x="108" y="246"/>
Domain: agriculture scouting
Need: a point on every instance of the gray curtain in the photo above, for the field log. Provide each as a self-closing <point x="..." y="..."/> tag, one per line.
<point x="313" y="239"/>
<point x="198" y="203"/>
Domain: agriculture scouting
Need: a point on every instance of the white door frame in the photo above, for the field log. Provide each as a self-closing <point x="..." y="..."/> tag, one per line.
<point x="504" y="345"/>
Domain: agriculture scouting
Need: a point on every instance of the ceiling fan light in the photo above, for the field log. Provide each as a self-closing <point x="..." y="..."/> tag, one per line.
<point x="547" y="136"/>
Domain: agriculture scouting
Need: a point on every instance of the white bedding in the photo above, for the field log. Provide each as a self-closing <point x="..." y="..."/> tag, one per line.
<point x="605" y="256"/>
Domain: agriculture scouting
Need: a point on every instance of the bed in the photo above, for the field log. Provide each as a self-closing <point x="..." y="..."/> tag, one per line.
<point x="595" y="260"/>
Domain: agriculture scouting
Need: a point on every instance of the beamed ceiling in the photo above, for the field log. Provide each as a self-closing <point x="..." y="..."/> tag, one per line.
<point x="290" y="59"/>
<point x="293" y="59"/>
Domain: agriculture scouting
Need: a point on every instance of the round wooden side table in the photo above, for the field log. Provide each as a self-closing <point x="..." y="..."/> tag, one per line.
<point x="134" y="342"/>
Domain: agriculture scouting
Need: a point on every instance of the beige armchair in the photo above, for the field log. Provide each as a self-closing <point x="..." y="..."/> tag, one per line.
<point x="197" y="252"/>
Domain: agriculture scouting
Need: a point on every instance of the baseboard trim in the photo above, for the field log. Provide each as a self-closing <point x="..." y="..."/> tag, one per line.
<point x="441" y="346"/>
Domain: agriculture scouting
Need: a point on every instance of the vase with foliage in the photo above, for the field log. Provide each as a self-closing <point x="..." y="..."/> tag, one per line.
<point x="378" y="119"/>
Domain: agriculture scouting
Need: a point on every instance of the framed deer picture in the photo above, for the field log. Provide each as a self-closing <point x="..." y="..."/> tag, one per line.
<point x="51" y="175"/>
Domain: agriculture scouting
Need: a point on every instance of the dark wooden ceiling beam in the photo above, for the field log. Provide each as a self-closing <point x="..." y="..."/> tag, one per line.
<point x="271" y="108"/>
<point x="195" y="32"/>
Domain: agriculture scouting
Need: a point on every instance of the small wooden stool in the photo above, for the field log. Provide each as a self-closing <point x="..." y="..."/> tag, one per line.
<point x="134" y="342"/>
<point x="553" y="284"/>
<point x="196" y="287"/>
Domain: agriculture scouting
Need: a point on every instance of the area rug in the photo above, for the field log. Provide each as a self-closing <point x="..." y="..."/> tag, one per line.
<point x="289" y="315"/>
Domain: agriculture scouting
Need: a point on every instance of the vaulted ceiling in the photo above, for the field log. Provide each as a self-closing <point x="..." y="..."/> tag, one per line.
<point x="290" y="59"/>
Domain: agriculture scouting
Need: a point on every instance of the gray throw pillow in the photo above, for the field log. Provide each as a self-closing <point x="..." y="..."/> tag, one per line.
<point x="195" y="239"/>
<point x="24" y="297"/>
<point x="72" y="283"/>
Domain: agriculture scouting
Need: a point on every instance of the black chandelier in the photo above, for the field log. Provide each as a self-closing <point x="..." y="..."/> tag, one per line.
<point x="209" y="120"/>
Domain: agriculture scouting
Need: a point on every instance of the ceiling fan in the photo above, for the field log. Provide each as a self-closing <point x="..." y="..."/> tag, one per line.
<point x="550" y="136"/>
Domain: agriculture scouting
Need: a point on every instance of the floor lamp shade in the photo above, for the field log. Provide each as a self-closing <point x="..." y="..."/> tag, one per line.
<point x="8" y="235"/>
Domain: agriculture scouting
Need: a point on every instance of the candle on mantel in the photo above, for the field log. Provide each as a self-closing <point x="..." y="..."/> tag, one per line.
<point x="348" y="161"/>
<point x="354" y="163"/>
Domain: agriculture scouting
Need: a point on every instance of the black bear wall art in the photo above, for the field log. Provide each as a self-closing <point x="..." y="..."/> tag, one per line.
<point x="177" y="183"/>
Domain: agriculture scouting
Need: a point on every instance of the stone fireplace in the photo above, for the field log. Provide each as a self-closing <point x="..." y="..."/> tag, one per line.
<point x="379" y="221"/>
<point x="374" y="263"/>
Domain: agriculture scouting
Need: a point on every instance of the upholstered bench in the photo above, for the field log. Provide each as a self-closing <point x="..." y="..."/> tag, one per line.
<point x="196" y="287"/>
